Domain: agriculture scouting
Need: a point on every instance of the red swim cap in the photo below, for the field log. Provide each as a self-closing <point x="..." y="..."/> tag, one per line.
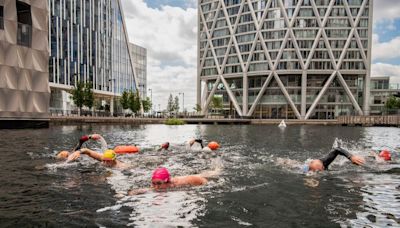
<point x="84" y="138"/>
<point x="165" y="145"/>
<point x="385" y="154"/>
<point x="161" y="174"/>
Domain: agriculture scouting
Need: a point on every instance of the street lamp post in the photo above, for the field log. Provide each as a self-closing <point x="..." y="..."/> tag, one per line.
<point x="183" y="102"/>
<point x="113" y="99"/>
<point x="151" y="100"/>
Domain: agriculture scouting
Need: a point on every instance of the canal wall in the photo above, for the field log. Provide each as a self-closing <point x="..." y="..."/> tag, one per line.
<point x="342" y="120"/>
<point x="370" y="120"/>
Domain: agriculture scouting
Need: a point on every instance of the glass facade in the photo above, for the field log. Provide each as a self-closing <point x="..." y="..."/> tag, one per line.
<point x="290" y="40"/>
<point x="381" y="90"/>
<point x="88" y="42"/>
<point x="139" y="55"/>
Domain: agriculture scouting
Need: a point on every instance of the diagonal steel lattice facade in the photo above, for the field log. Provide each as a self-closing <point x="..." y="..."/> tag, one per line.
<point x="300" y="59"/>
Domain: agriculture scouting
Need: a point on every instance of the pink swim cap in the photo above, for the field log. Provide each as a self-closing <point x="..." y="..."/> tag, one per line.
<point x="161" y="174"/>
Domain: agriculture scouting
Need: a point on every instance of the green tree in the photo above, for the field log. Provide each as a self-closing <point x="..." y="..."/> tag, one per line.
<point x="216" y="103"/>
<point x="176" y="104"/>
<point x="137" y="102"/>
<point x="170" y="105"/>
<point x="392" y="103"/>
<point x="197" y="108"/>
<point x="134" y="101"/>
<point x="146" y="104"/>
<point x="124" y="100"/>
<point x="78" y="95"/>
<point x="88" y="99"/>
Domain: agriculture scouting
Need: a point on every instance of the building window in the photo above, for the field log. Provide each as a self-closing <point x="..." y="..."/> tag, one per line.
<point x="1" y="17"/>
<point x="24" y="32"/>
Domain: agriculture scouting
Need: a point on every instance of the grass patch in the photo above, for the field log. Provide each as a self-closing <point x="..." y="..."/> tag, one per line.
<point x="174" y="121"/>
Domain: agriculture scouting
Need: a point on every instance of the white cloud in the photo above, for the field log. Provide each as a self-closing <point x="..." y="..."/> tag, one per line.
<point x="386" y="10"/>
<point x="385" y="50"/>
<point x="384" y="69"/>
<point x="170" y="36"/>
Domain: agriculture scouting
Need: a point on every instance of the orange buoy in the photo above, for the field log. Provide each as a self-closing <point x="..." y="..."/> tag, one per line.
<point x="213" y="145"/>
<point x="126" y="149"/>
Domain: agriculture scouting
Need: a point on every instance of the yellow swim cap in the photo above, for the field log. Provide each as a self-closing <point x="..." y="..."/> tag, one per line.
<point x="109" y="155"/>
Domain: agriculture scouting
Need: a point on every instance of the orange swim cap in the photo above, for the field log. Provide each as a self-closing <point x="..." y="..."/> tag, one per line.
<point x="385" y="154"/>
<point x="63" y="155"/>
<point x="213" y="145"/>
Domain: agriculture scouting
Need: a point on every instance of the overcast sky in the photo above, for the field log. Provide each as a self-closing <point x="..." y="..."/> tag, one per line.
<point x="168" y="29"/>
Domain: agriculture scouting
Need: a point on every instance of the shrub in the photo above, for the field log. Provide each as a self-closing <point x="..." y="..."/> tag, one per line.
<point x="174" y="121"/>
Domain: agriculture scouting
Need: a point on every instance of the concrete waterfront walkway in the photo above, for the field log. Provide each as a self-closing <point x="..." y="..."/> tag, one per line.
<point x="217" y="121"/>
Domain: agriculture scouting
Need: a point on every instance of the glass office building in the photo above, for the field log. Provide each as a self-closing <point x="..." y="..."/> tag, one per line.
<point x="88" y="42"/>
<point x="139" y="55"/>
<point x="290" y="59"/>
<point x="382" y="88"/>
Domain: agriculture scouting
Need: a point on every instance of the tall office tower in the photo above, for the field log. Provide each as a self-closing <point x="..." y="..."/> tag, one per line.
<point x="139" y="55"/>
<point x="89" y="42"/>
<point x="24" y="87"/>
<point x="295" y="59"/>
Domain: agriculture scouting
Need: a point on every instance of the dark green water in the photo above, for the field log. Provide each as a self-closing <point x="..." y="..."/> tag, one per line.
<point x="253" y="189"/>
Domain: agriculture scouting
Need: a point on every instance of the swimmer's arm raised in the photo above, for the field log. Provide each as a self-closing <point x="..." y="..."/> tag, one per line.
<point x="92" y="154"/>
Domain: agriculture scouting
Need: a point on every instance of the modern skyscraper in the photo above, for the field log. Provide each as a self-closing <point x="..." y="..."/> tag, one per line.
<point x="304" y="59"/>
<point x="89" y="42"/>
<point x="24" y="87"/>
<point x="139" y="55"/>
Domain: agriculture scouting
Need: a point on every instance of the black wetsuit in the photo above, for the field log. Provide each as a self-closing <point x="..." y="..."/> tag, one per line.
<point x="79" y="145"/>
<point x="200" y="141"/>
<point x="329" y="158"/>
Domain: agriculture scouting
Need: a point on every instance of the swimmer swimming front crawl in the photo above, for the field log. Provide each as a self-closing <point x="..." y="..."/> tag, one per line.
<point x="323" y="163"/>
<point x="162" y="180"/>
<point x="191" y="142"/>
<point x="108" y="158"/>
<point x="65" y="154"/>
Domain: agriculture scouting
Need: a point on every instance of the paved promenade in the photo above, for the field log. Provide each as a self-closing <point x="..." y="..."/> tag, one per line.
<point x="221" y="121"/>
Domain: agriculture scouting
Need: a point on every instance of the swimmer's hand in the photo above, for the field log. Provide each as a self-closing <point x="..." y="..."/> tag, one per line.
<point x="134" y="192"/>
<point x="74" y="156"/>
<point x="358" y="160"/>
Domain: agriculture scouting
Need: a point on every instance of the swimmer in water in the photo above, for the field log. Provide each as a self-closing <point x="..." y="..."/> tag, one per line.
<point x="384" y="156"/>
<point x="323" y="163"/>
<point x="164" y="147"/>
<point x="108" y="158"/>
<point x="162" y="180"/>
<point x="63" y="155"/>
<point x="192" y="142"/>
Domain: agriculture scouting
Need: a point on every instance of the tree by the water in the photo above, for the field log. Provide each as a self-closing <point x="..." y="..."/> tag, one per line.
<point x="170" y="104"/>
<point x="78" y="95"/>
<point x="176" y="104"/>
<point x="146" y="104"/>
<point x="124" y="99"/>
<point x="88" y="95"/>
<point x="216" y="103"/>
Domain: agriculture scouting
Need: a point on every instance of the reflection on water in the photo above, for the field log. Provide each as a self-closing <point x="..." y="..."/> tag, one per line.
<point x="261" y="183"/>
